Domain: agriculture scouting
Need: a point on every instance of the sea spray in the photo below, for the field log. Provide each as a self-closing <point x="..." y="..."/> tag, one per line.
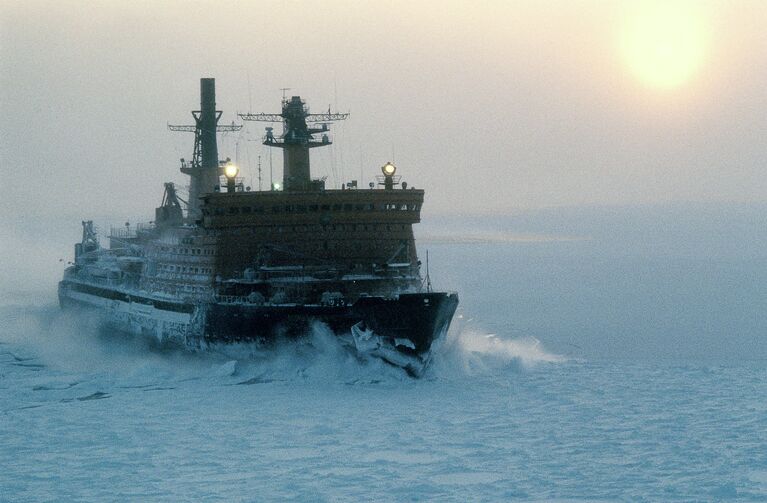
<point x="319" y="356"/>
<point x="467" y="350"/>
<point x="76" y="342"/>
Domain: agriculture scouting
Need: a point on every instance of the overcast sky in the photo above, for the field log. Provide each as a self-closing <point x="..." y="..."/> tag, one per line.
<point x="490" y="106"/>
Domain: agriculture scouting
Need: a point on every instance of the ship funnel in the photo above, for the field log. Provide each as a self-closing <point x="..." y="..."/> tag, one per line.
<point x="207" y="122"/>
<point x="204" y="170"/>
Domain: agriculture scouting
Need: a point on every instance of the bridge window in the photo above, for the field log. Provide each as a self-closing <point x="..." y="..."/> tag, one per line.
<point x="314" y="208"/>
<point x="347" y="207"/>
<point x="325" y="207"/>
<point x="245" y="210"/>
<point x="300" y="208"/>
<point x="336" y="207"/>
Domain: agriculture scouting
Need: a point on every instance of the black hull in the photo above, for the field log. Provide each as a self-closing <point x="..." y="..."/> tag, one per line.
<point x="418" y="317"/>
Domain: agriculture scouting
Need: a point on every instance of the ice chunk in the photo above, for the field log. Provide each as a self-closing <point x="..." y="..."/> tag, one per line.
<point x="227" y="369"/>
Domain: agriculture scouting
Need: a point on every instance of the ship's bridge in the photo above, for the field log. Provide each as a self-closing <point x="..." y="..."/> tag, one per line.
<point x="355" y="230"/>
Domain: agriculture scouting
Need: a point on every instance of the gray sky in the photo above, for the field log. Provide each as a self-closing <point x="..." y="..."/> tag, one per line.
<point x="490" y="106"/>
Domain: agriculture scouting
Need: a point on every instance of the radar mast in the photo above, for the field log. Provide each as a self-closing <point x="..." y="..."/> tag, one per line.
<point x="296" y="140"/>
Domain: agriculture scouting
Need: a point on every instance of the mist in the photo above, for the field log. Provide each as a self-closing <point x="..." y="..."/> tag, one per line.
<point x="491" y="108"/>
<point x="517" y="118"/>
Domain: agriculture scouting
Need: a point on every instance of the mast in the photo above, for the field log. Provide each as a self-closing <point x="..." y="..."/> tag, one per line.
<point x="296" y="140"/>
<point x="205" y="168"/>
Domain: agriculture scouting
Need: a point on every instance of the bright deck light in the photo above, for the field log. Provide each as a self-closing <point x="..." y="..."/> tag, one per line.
<point x="230" y="170"/>
<point x="389" y="169"/>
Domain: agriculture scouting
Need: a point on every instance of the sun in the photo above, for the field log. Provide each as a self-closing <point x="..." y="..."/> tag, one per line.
<point x="664" y="44"/>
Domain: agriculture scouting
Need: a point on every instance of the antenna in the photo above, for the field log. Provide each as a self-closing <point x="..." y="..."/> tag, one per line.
<point x="283" y="89"/>
<point x="247" y="157"/>
<point x="271" y="171"/>
<point x="259" y="173"/>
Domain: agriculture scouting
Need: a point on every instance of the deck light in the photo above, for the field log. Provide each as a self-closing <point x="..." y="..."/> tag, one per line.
<point x="388" y="169"/>
<point x="231" y="170"/>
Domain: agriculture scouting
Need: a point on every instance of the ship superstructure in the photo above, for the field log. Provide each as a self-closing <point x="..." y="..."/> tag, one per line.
<point x="243" y="265"/>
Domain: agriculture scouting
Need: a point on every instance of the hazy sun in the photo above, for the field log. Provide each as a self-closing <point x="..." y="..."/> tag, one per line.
<point x="664" y="43"/>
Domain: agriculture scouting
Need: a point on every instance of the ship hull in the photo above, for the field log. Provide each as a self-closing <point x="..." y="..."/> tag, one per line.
<point x="419" y="318"/>
<point x="408" y="323"/>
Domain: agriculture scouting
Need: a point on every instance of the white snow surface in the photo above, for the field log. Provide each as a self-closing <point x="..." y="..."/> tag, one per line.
<point x="85" y="416"/>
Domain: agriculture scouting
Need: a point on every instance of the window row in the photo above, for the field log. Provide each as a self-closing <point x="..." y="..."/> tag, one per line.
<point x="189" y="269"/>
<point x="175" y="289"/>
<point x="311" y="208"/>
<point x="188" y="251"/>
<point x="318" y="228"/>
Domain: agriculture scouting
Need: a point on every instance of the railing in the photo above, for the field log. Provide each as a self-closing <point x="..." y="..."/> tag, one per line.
<point x="231" y="299"/>
<point x="129" y="232"/>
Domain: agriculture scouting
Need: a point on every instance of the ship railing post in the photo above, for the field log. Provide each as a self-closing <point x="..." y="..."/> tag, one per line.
<point x="428" y="278"/>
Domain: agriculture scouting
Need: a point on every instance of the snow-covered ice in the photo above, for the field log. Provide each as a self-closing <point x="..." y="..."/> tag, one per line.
<point x="96" y="419"/>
